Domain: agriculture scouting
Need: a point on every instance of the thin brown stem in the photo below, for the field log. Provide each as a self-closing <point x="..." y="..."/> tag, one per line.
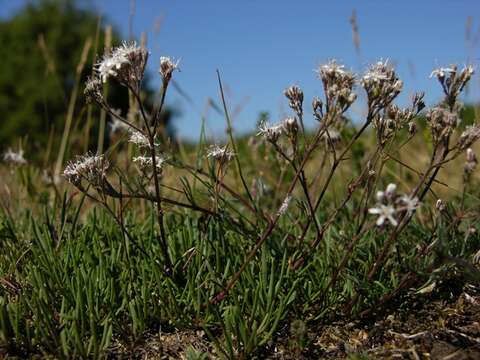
<point x="222" y="294"/>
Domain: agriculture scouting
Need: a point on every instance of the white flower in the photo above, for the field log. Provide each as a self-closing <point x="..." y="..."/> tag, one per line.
<point x="377" y="73"/>
<point x="381" y="82"/>
<point x="384" y="212"/>
<point x="332" y="69"/>
<point x="147" y="161"/>
<point x="220" y="153"/>
<point x="441" y="72"/>
<point x="14" y="158"/>
<point x="409" y="204"/>
<point x="375" y="77"/>
<point x="111" y="64"/>
<point x="117" y="126"/>
<point x="284" y="207"/>
<point x="126" y="63"/>
<point x="271" y="132"/>
<point x="167" y="66"/>
<point x="92" y="168"/>
<point x="137" y="138"/>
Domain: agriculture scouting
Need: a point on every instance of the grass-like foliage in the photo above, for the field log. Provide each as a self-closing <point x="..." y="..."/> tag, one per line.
<point x="246" y="241"/>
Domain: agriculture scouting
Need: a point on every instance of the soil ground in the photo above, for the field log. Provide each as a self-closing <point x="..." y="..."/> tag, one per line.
<point x="433" y="325"/>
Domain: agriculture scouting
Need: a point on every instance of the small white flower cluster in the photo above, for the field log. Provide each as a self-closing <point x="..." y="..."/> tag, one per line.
<point x="390" y="203"/>
<point x="453" y="81"/>
<point x="92" y="168"/>
<point x="14" y="158"/>
<point x="220" y="153"/>
<point x="111" y="64"/>
<point x="167" y="67"/>
<point x="139" y="139"/>
<point x="381" y="84"/>
<point x="332" y="70"/>
<point x="146" y="162"/>
<point x="338" y="84"/>
<point x="441" y="72"/>
<point x="125" y="63"/>
<point x="271" y="132"/>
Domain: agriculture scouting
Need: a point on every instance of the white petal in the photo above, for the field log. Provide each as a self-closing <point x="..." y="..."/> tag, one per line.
<point x="392" y="220"/>
<point x="380" y="220"/>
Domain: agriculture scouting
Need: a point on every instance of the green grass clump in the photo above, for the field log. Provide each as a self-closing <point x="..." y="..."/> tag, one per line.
<point x="71" y="287"/>
<point x="251" y="242"/>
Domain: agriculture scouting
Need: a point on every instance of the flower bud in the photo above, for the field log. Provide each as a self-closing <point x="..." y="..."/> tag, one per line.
<point x="440" y="205"/>
<point x="412" y="128"/>
<point x="291" y="125"/>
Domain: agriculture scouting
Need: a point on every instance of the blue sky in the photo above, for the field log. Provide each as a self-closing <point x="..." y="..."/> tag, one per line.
<point x="263" y="46"/>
